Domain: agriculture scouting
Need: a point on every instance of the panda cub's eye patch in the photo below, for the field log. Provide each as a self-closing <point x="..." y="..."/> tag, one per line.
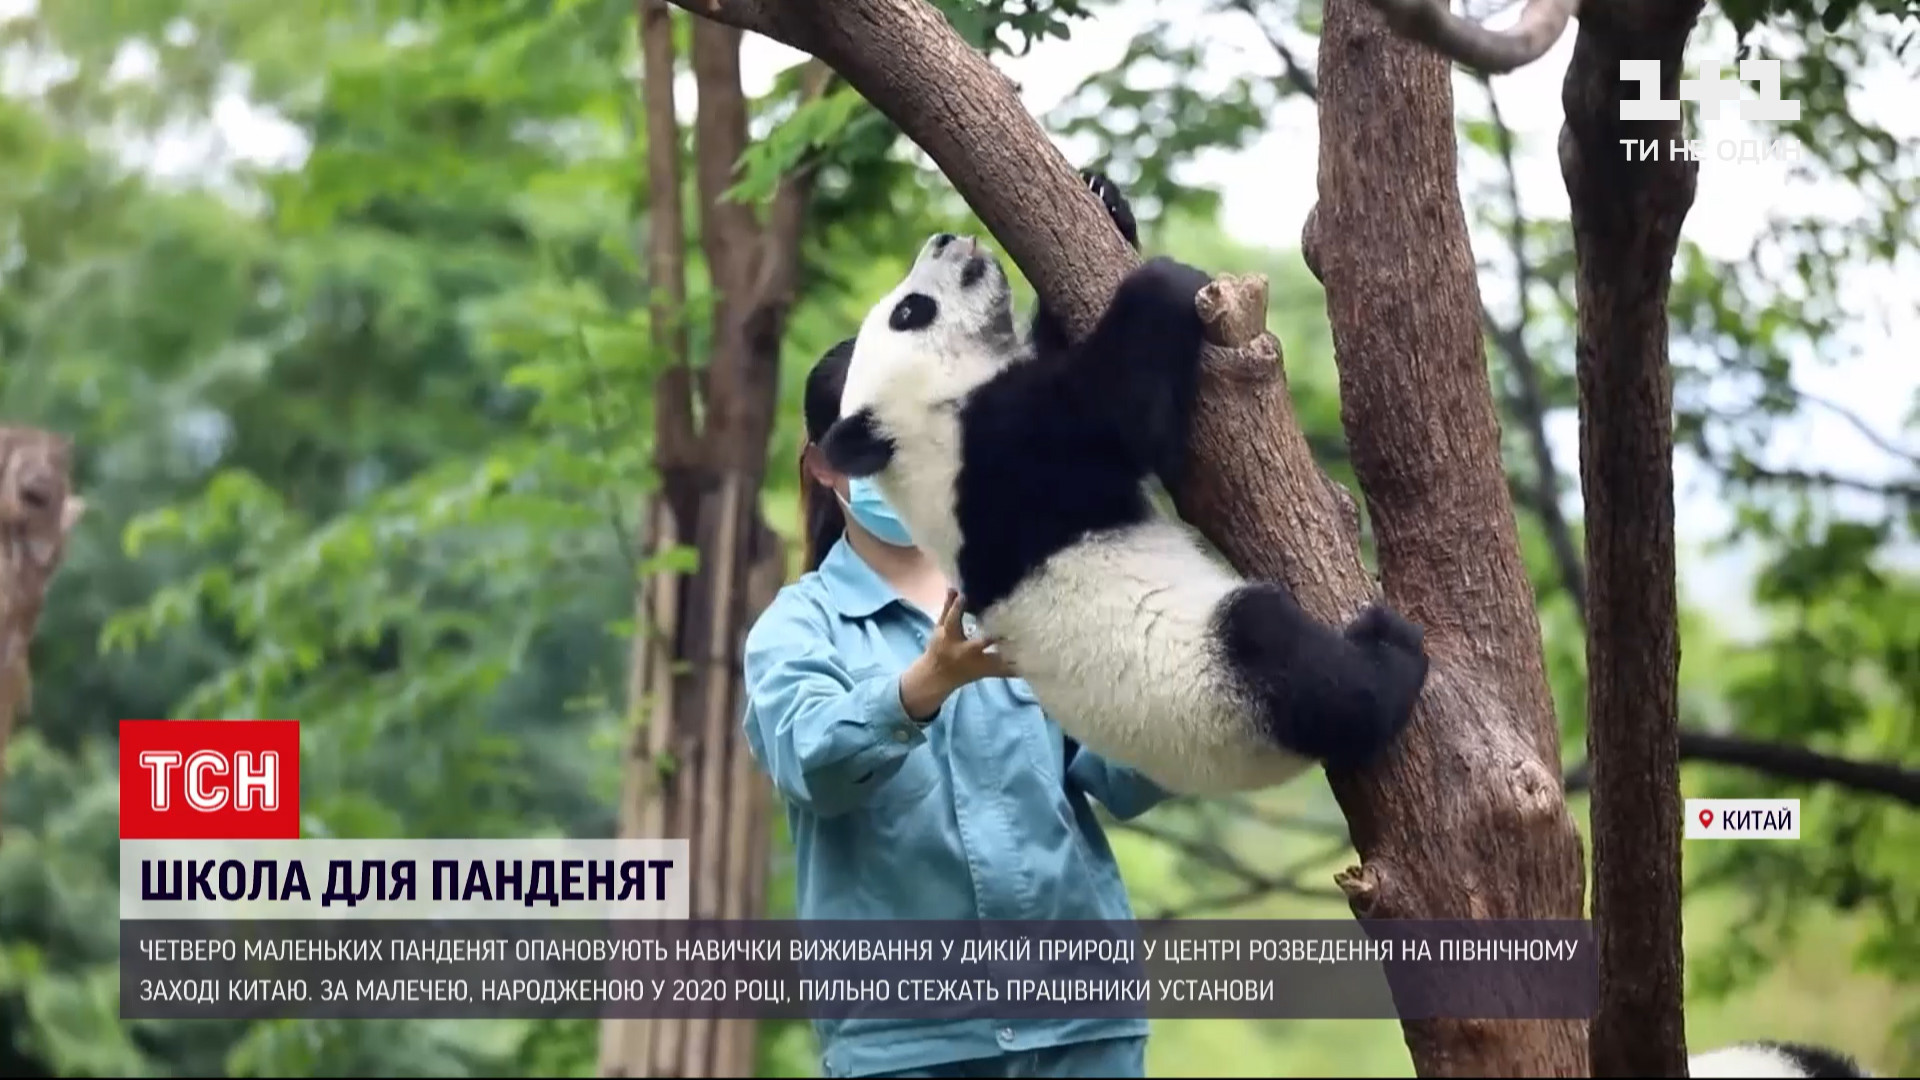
<point x="915" y="311"/>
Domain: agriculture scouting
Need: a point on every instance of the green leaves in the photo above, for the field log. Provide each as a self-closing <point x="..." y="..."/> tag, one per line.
<point x="1830" y="15"/>
<point x="980" y="22"/>
<point x="812" y="125"/>
<point x="1144" y="129"/>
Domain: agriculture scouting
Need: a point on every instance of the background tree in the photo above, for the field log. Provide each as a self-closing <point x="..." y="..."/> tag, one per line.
<point x="689" y="772"/>
<point x="37" y="511"/>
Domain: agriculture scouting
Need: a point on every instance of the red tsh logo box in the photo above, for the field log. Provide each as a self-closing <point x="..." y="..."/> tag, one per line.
<point x="209" y="779"/>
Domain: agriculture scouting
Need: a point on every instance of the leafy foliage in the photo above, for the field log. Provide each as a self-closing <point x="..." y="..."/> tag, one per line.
<point x="996" y="25"/>
<point x="1828" y="15"/>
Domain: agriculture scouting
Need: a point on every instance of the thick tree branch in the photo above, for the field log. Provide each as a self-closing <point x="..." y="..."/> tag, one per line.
<point x="1494" y="52"/>
<point x="1785" y="762"/>
<point x="1626" y="218"/>
<point x="1528" y="404"/>
<point x="37" y="513"/>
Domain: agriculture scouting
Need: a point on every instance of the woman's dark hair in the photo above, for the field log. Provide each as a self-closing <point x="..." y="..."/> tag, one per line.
<point x="821" y="522"/>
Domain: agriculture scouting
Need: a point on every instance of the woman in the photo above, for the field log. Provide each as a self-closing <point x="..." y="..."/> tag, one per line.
<point x="922" y="780"/>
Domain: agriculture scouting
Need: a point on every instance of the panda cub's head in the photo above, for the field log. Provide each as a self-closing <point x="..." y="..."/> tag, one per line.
<point x="944" y="331"/>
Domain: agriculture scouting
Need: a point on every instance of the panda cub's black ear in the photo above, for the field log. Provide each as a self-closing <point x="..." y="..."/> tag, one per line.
<point x="855" y="445"/>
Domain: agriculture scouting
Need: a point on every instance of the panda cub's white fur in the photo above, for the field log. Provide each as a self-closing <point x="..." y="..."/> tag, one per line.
<point x="1774" y="1059"/>
<point x="1024" y="478"/>
<point x="1117" y="630"/>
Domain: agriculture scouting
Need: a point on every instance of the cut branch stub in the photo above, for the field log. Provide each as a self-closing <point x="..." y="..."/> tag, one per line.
<point x="1233" y="309"/>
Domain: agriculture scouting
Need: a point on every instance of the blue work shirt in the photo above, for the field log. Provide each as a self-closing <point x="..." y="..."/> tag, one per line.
<point x="982" y="814"/>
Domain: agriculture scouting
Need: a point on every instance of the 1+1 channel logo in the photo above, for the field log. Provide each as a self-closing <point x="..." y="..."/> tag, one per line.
<point x="1713" y="93"/>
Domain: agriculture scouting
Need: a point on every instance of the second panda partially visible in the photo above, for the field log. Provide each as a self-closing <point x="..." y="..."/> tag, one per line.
<point x="1021" y="467"/>
<point x="1771" y="1058"/>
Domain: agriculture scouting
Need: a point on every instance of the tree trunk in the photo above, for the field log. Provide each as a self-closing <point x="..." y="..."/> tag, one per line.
<point x="37" y="512"/>
<point x="1627" y="210"/>
<point x="1627" y="215"/>
<point x="1466" y="819"/>
<point x="1469" y="820"/>
<point x="689" y="773"/>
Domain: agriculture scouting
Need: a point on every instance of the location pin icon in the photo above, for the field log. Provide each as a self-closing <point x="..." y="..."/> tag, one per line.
<point x="1706" y="818"/>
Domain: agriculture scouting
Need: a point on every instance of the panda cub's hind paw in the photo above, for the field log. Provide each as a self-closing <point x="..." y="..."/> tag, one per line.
<point x="1380" y="623"/>
<point x="1117" y="206"/>
<point x="1396" y="666"/>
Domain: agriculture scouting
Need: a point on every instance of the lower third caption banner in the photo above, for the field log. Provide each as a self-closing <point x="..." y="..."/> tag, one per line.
<point x="1199" y="969"/>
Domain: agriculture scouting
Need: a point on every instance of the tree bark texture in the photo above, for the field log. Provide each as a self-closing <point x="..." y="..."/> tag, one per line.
<point x="37" y="512"/>
<point x="1466" y="818"/>
<point x="689" y="773"/>
<point x="1469" y="820"/>
<point x="1627" y="214"/>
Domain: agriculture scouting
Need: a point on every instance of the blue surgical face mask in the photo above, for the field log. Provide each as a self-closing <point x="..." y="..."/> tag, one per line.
<point x="870" y="509"/>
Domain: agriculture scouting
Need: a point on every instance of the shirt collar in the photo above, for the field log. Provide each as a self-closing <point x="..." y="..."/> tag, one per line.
<point x="855" y="590"/>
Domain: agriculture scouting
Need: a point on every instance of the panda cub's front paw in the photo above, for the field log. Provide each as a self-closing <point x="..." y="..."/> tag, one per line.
<point x="1117" y="206"/>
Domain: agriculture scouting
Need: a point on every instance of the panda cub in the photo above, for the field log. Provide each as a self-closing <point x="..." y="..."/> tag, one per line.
<point x="1020" y="466"/>
<point x="1774" y="1059"/>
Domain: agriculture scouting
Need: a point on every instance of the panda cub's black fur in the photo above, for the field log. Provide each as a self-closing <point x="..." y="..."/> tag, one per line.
<point x="1021" y="466"/>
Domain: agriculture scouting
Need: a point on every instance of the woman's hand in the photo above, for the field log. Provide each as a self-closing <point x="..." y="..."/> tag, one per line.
<point x="951" y="661"/>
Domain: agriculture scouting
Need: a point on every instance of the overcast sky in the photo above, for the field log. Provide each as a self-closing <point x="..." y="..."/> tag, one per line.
<point x="1269" y="187"/>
